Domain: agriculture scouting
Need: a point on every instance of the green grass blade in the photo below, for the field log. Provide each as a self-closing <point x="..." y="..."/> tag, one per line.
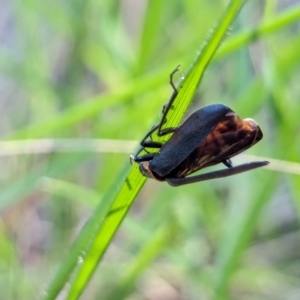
<point x="272" y="24"/>
<point x="193" y="77"/>
<point x="70" y="191"/>
<point x="87" y="109"/>
<point x="112" y="204"/>
<point x="97" y="235"/>
<point x="239" y="230"/>
<point x="149" y="251"/>
<point x="17" y="190"/>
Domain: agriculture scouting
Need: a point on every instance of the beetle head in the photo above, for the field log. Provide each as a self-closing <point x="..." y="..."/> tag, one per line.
<point x="146" y="170"/>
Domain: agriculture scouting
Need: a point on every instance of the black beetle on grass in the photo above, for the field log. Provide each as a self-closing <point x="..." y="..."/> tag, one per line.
<point x="211" y="135"/>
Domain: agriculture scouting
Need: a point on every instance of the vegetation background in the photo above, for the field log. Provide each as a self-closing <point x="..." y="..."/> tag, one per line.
<point x="81" y="82"/>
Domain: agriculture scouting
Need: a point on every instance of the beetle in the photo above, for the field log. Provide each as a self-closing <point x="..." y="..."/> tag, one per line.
<point x="211" y="135"/>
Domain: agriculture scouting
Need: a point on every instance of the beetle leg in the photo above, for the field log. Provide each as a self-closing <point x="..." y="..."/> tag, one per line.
<point x="146" y="157"/>
<point x="227" y="162"/>
<point x="145" y="144"/>
<point x="149" y="133"/>
<point x="217" y="174"/>
<point x="171" y="78"/>
<point x="167" y="107"/>
<point x="160" y="132"/>
<point x="151" y="144"/>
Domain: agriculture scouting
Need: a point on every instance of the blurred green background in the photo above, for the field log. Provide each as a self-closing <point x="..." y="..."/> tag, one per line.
<point x="81" y="82"/>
